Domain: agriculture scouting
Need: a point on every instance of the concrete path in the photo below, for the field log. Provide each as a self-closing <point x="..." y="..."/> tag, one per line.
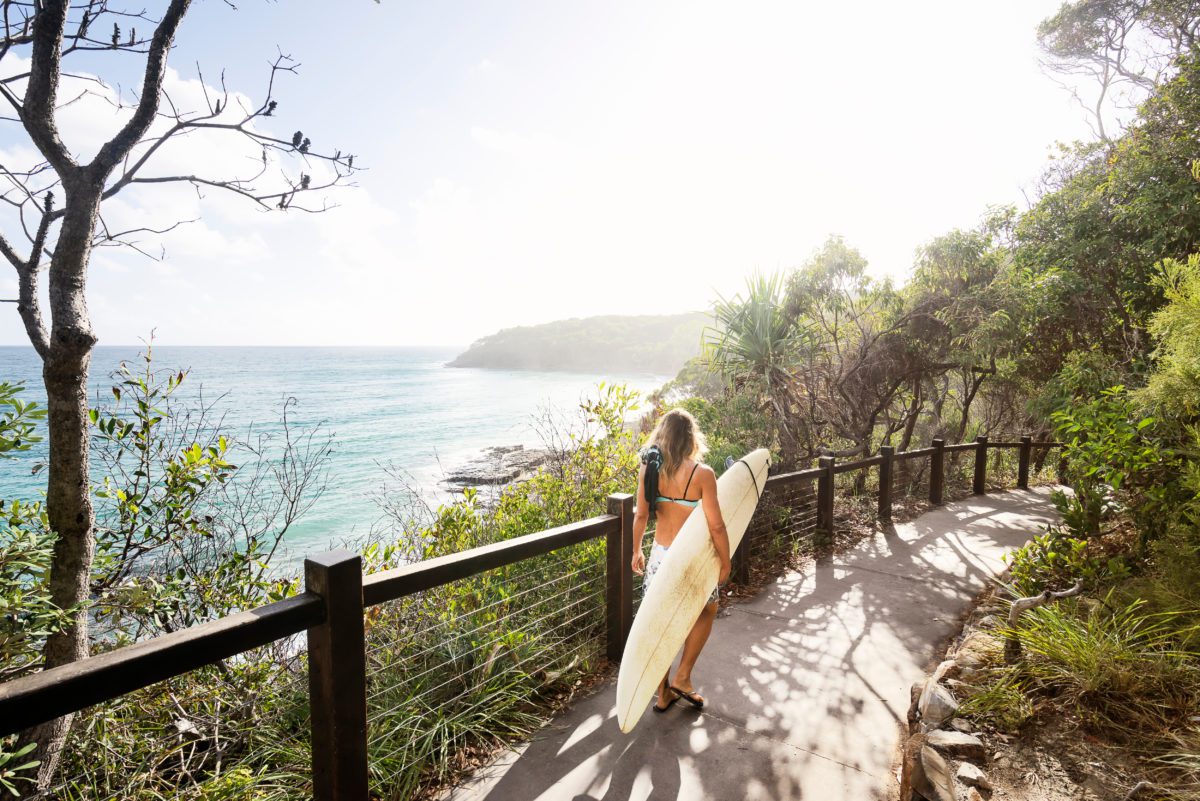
<point x="807" y="682"/>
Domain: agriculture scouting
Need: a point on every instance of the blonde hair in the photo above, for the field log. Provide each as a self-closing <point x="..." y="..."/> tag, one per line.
<point x="679" y="437"/>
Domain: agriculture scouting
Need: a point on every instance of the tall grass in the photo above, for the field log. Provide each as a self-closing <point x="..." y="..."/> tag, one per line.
<point x="1123" y="669"/>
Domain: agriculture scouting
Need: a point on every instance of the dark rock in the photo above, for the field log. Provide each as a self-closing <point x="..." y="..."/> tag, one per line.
<point x="978" y="649"/>
<point x="938" y="705"/>
<point x="972" y="776"/>
<point x="931" y="776"/>
<point x="914" y="705"/>
<point x="498" y="465"/>
<point x="957" y="744"/>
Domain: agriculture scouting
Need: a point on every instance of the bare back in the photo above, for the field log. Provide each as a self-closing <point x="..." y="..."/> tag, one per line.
<point x="693" y="482"/>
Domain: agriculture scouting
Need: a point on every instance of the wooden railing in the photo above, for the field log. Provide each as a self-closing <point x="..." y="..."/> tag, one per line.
<point x="331" y="610"/>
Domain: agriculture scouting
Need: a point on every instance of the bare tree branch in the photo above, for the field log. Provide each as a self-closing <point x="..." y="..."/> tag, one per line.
<point x="41" y="94"/>
<point x="115" y="149"/>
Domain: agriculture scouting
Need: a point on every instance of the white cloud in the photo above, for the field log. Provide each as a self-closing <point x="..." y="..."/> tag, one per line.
<point x="634" y="158"/>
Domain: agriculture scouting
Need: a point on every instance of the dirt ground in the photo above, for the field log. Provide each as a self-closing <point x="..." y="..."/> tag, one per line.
<point x="1051" y="757"/>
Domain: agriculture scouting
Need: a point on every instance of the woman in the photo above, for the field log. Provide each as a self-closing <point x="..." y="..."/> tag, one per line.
<point x="672" y="456"/>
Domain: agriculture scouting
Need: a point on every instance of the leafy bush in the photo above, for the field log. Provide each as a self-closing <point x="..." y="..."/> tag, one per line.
<point x="1055" y="560"/>
<point x="733" y="424"/>
<point x="1110" y="450"/>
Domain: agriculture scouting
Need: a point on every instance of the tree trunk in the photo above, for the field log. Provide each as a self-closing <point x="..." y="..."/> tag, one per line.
<point x="975" y="381"/>
<point x="914" y="413"/>
<point x="68" y="491"/>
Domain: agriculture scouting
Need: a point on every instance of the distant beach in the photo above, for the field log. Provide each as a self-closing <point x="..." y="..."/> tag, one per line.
<point x="397" y="406"/>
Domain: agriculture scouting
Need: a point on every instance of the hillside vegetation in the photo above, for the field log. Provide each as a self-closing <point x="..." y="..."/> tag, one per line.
<point x="659" y="344"/>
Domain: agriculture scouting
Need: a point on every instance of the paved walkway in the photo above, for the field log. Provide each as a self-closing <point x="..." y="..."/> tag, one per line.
<point x="807" y="683"/>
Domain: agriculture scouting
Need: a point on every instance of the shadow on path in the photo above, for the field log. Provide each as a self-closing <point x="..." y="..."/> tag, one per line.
<point x="808" y="682"/>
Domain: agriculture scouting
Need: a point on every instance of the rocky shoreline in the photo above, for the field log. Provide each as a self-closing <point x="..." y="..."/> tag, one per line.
<point x="498" y="465"/>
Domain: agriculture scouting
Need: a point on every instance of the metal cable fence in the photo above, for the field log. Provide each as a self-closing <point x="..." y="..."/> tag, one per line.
<point x="910" y="484"/>
<point x="910" y="476"/>
<point x="786" y="518"/>
<point x="1002" y="468"/>
<point x="855" y="498"/>
<point x="238" y="726"/>
<point x="959" y="476"/>
<point x="491" y="653"/>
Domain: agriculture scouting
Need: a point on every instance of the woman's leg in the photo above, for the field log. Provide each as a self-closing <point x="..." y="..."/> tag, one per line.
<point x="692" y="647"/>
<point x="665" y="693"/>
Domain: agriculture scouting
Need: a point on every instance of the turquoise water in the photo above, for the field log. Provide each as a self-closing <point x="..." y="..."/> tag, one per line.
<point x="381" y="405"/>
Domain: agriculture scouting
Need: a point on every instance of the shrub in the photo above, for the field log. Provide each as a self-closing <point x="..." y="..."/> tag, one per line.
<point x="1056" y="559"/>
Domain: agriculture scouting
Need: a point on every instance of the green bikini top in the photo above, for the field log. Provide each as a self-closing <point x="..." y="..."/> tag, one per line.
<point x="681" y="501"/>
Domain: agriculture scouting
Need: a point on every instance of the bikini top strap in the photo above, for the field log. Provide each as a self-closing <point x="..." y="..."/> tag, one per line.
<point x="683" y="497"/>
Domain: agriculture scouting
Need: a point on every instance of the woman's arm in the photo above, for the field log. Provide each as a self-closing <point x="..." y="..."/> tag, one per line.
<point x="641" y="517"/>
<point x="712" y="514"/>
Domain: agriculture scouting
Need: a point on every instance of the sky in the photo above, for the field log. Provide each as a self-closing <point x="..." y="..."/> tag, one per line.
<point x="534" y="161"/>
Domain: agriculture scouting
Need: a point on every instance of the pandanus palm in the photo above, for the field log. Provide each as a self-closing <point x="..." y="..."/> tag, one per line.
<point x="754" y="343"/>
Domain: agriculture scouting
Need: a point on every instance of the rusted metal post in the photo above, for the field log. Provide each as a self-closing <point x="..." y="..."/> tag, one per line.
<point x="887" y="454"/>
<point x="980" y="485"/>
<point x="1023" y="464"/>
<point x="619" y="594"/>
<point x="337" y="678"/>
<point x="937" y="471"/>
<point x="825" y="496"/>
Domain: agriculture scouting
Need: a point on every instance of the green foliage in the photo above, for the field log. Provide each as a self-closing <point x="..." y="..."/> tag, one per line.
<point x="1055" y="560"/>
<point x="27" y="615"/>
<point x="239" y="784"/>
<point x="600" y="458"/>
<point x="13" y="764"/>
<point x="1174" y="387"/>
<point x="754" y="338"/>
<point x="182" y="537"/>
<point x="1106" y="441"/>
<point x="157" y="493"/>
<point x="733" y="424"/>
<point x="18" y="421"/>
<point x="1111" y="451"/>
<point x="1001" y="698"/>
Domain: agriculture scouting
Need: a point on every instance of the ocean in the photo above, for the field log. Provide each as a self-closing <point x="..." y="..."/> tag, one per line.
<point x="398" y="406"/>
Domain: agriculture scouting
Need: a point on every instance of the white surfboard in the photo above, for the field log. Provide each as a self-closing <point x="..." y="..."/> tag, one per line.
<point x="681" y="587"/>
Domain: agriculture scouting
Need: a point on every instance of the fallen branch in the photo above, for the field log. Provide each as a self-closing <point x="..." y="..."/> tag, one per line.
<point x="1137" y="788"/>
<point x="1012" y="642"/>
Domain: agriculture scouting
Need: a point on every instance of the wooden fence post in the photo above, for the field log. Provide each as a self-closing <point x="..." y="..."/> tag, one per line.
<point x="337" y="678"/>
<point x="886" y="453"/>
<point x="825" y="496"/>
<point x="937" y="471"/>
<point x="619" y="594"/>
<point x="980" y="485"/>
<point x="1023" y="464"/>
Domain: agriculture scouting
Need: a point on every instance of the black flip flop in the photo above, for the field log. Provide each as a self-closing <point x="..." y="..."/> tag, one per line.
<point x="692" y="698"/>
<point x="670" y="703"/>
